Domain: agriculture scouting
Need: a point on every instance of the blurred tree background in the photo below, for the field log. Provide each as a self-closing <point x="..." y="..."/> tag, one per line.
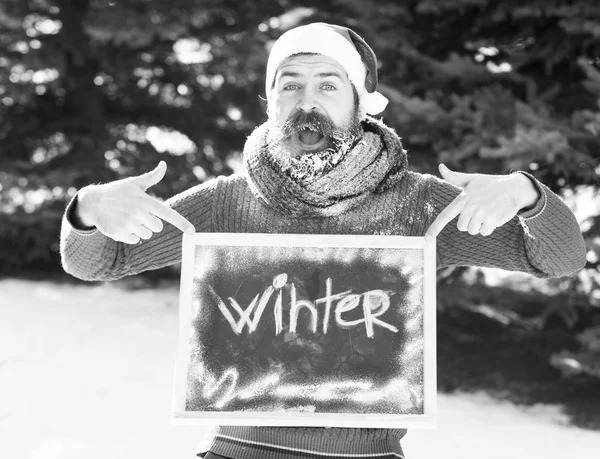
<point x="96" y="90"/>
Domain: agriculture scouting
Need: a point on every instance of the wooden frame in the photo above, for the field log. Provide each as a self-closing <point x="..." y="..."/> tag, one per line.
<point x="356" y="399"/>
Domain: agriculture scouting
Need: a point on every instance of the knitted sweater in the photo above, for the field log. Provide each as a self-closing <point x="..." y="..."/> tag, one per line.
<point x="544" y="241"/>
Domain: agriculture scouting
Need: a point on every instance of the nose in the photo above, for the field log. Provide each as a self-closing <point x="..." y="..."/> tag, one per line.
<point x="308" y="101"/>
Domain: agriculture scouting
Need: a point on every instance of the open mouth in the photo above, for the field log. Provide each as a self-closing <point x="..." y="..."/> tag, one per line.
<point x="311" y="140"/>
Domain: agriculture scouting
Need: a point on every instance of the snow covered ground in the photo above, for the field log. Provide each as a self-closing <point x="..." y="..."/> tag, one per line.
<point x="86" y="372"/>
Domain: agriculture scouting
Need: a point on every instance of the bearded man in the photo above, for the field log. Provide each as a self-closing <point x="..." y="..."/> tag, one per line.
<point x="322" y="165"/>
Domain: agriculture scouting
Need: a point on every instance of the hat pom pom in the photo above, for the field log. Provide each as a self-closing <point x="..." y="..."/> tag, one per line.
<point x="373" y="103"/>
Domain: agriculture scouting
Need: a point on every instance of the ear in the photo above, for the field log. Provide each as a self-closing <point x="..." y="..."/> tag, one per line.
<point x="268" y="105"/>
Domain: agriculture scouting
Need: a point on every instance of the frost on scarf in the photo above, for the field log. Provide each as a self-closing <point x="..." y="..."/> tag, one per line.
<point x="310" y="166"/>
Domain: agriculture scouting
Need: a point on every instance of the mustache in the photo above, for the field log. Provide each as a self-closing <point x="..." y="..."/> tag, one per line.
<point x="315" y="121"/>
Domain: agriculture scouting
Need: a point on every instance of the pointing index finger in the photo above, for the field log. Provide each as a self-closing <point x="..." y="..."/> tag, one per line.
<point x="173" y="217"/>
<point x="445" y="216"/>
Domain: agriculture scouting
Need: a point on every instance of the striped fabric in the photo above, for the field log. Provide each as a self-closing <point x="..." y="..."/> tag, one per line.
<point x="241" y="442"/>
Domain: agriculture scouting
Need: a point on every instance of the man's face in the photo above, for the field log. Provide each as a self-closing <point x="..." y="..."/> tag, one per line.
<point x="312" y="105"/>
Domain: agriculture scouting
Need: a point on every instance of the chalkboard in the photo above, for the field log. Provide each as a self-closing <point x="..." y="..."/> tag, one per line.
<point x="317" y="330"/>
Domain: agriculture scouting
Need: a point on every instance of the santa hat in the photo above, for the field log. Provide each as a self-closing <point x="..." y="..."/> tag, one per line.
<point x="341" y="44"/>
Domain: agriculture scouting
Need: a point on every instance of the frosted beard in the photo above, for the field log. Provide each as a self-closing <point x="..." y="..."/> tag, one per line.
<point x="309" y="144"/>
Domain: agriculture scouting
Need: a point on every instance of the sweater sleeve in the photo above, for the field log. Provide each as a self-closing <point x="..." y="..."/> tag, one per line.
<point x="544" y="241"/>
<point x="90" y="255"/>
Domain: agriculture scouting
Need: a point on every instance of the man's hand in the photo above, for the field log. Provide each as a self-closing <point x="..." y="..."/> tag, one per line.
<point x="486" y="202"/>
<point x="124" y="212"/>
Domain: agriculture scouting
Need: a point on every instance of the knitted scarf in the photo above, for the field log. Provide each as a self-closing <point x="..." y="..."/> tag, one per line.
<point x="374" y="164"/>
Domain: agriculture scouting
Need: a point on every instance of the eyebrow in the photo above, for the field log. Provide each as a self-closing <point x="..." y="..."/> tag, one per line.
<point x="320" y="75"/>
<point x="329" y="74"/>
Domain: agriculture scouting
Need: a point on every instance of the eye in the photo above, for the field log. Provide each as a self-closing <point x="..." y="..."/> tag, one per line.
<point x="328" y="87"/>
<point x="291" y="87"/>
